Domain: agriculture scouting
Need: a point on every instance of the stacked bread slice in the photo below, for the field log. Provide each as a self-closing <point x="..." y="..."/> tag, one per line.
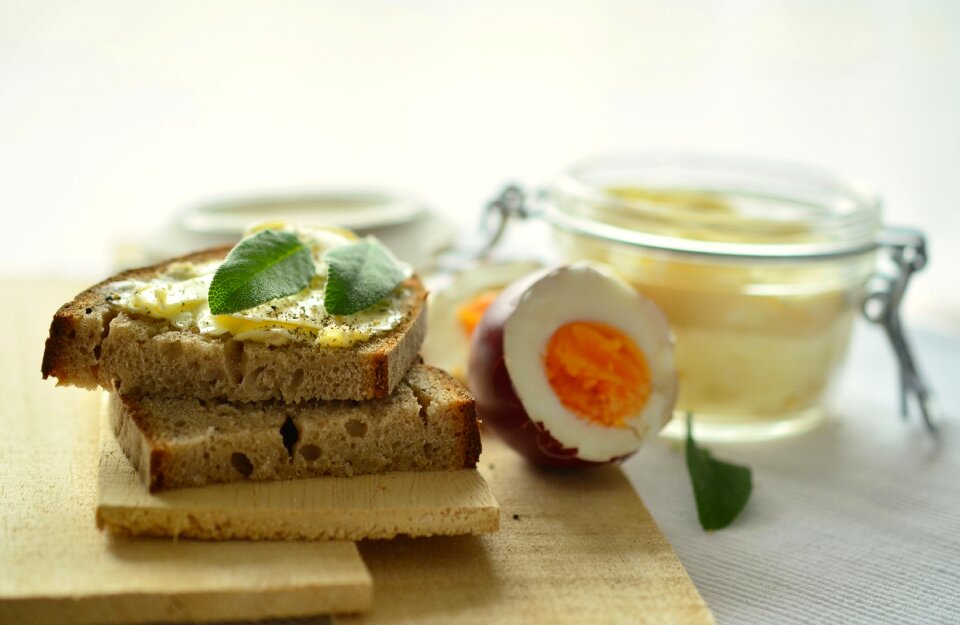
<point x="190" y="409"/>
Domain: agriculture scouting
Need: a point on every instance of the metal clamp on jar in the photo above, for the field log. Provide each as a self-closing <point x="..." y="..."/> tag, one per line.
<point x="761" y="269"/>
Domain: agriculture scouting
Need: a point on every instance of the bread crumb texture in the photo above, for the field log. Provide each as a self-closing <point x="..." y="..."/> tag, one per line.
<point x="427" y="424"/>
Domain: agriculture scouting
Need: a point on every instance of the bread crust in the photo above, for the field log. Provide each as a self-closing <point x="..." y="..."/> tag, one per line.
<point x="94" y="343"/>
<point x="428" y="382"/>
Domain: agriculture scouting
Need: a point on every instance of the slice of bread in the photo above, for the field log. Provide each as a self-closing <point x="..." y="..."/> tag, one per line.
<point x="427" y="424"/>
<point x="93" y="342"/>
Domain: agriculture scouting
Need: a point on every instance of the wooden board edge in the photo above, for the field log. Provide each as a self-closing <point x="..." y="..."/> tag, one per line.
<point x="130" y="608"/>
<point x="207" y="524"/>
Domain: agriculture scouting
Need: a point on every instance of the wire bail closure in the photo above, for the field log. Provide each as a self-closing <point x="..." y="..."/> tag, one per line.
<point x="907" y="250"/>
<point x="509" y="204"/>
<point x="905" y="247"/>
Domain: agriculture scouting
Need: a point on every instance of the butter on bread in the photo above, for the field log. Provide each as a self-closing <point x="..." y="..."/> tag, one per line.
<point x="93" y="342"/>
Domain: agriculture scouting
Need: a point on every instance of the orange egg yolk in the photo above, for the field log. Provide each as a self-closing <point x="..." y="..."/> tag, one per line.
<point x="598" y="372"/>
<point x="471" y="312"/>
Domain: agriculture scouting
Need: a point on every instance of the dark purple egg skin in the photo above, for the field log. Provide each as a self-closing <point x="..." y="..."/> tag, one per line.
<point x="498" y="404"/>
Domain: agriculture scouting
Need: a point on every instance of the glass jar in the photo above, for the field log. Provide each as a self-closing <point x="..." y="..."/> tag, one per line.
<point x="760" y="268"/>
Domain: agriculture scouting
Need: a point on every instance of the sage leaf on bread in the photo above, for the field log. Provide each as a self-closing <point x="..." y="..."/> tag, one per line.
<point x="264" y="267"/>
<point x="360" y="275"/>
<point x="721" y="489"/>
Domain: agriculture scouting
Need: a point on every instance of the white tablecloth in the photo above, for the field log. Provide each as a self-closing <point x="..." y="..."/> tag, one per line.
<point x="855" y="522"/>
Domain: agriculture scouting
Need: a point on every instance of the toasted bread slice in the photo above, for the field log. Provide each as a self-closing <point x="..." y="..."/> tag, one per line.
<point x="93" y="342"/>
<point x="427" y="424"/>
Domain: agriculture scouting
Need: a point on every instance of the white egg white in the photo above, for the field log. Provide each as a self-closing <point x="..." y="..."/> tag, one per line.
<point x="587" y="292"/>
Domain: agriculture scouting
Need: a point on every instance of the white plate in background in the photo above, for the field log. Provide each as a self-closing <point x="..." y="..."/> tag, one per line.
<point x="355" y="209"/>
<point x="401" y="221"/>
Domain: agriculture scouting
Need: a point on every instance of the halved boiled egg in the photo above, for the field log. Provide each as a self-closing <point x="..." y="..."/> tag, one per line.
<point x="572" y="366"/>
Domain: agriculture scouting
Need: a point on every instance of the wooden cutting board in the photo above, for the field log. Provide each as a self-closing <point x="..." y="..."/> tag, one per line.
<point x="574" y="547"/>
<point x="56" y="567"/>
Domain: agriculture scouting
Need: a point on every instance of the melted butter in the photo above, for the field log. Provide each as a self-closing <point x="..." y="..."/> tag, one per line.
<point x="179" y="296"/>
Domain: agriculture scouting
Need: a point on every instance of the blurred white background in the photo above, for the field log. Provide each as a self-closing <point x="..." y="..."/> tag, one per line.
<point x="116" y="115"/>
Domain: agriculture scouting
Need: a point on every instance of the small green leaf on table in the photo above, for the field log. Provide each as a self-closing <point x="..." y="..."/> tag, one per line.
<point x="721" y="489"/>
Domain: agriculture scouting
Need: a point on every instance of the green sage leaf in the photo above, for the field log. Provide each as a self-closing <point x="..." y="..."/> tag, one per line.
<point x="264" y="267"/>
<point x="360" y="275"/>
<point x="721" y="489"/>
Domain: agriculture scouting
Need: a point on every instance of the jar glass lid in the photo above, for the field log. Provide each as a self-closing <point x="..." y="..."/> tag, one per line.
<point x="715" y="205"/>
